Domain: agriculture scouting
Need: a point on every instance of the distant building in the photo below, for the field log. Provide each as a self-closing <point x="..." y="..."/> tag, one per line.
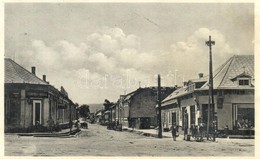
<point x="123" y="106"/>
<point x="138" y="108"/>
<point x="31" y="101"/>
<point x="233" y="96"/>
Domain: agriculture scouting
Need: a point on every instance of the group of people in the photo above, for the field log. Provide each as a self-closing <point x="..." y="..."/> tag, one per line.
<point x="196" y="131"/>
<point x="244" y="123"/>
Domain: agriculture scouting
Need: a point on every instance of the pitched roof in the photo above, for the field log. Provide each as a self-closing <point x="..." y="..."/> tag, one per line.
<point x="129" y="95"/>
<point x="14" y="73"/>
<point x="236" y="66"/>
<point x="232" y="68"/>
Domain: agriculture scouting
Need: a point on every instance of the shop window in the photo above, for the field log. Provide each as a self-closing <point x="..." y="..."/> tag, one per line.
<point x="244" y="116"/>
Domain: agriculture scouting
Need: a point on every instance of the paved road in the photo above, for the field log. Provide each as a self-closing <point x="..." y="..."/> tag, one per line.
<point x="98" y="141"/>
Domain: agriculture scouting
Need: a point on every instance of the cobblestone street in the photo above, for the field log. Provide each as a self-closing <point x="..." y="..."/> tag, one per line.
<point x="98" y="141"/>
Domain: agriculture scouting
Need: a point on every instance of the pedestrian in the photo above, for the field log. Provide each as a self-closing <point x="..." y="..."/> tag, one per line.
<point x="70" y="125"/>
<point x="50" y="124"/>
<point x="226" y="129"/>
<point x="174" y="130"/>
<point x="193" y="130"/>
<point x="133" y="124"/>
<point x="201" y="130"/>
<point x="186" y="124"/>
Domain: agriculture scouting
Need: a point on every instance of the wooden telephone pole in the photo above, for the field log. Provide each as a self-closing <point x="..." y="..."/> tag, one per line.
<point x="159" y="108"/>
<point x="211" y="92"/>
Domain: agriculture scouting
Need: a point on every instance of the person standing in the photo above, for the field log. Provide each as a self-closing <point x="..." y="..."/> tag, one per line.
<point x="186" y="124"/>
<point x="50" y="124"/>
<point x="226" y="130"/>
<point x="174" y="130"/>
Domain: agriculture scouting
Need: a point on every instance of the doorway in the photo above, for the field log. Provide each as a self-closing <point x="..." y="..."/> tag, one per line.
<point x="37" y="112"/>
<point x="174" y="116"/>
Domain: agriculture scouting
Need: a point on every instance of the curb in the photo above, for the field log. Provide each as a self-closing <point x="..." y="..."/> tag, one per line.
<point x="59" y="134"/>
<point x="145" y="133"/>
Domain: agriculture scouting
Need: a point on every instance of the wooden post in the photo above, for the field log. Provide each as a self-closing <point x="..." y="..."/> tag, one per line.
<point x="211" y="91"/>
<point x="159" y="108"/>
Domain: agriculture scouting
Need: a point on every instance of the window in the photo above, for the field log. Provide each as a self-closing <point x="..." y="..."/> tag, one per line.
<point x="191" y="87"/>
<point x="199" y="84"/>
<point x="243" y="82"/>
<point x="243" y="115"/>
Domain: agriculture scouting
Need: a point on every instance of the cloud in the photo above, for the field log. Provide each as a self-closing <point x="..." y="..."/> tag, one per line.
<point x="194" y="53"/>
<point x="110" y="61"/>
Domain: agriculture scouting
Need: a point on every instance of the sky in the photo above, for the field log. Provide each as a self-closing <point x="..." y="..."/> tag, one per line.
<point x="100" y="51"/>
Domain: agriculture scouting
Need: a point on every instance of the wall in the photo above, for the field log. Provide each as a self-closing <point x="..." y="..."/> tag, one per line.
<point x="125" y="114"/>
<point x="224" y="114"/>
<point x="143" y="104"/>
<point x="19" y="105"/>
<point x="167" y="117"/>
<point x="186" y="103"/>
<point x="45" y="113"/>
<point x="12" y="109"/>
<point x="23" y="116"/>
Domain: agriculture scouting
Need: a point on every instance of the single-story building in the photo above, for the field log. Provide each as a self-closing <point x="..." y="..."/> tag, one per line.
<point x="234" y="106"/>
<point x="31" y="101"/>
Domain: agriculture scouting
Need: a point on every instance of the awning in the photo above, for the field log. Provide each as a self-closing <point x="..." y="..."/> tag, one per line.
<point x="173" y="103"/>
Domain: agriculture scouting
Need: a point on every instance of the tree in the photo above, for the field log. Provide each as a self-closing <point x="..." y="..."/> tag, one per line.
<point x="84" y="111"/>
<point x="107" y="104"/>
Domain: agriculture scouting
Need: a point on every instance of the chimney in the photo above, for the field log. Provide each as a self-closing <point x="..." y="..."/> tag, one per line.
<point x="185" y="83"/>
<point x="34" y="70"/>
<point x="44" y="78"/>
<point x="200" y="75"/>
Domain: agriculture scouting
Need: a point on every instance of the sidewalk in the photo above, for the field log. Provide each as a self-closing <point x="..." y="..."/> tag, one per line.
<point x="62" y="133"/>
<point x="154" y="133"/>
<point x="150" y="132"/>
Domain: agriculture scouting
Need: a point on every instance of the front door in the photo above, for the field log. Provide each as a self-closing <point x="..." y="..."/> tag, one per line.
<point x="192" y="114"/>
<point x="174" y="118"/>
<point x="37" y="109"/>
<point x="205" y="113"/>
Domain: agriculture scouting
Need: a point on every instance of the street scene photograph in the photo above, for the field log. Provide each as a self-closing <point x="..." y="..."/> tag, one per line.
<point x="129" y="79"/>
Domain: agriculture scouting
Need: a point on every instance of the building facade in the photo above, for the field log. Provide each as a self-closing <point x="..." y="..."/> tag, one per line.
<point x="138" y="108"/>
<point x="233" y="95"/>
<point x="31" y="101"/>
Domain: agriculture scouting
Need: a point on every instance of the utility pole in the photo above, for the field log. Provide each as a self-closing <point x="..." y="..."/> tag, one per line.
<point x="211" y="92"/>
<point x="70" y="119"/>
<point x="118" y="113"/>
<point x="159" y="108"/>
